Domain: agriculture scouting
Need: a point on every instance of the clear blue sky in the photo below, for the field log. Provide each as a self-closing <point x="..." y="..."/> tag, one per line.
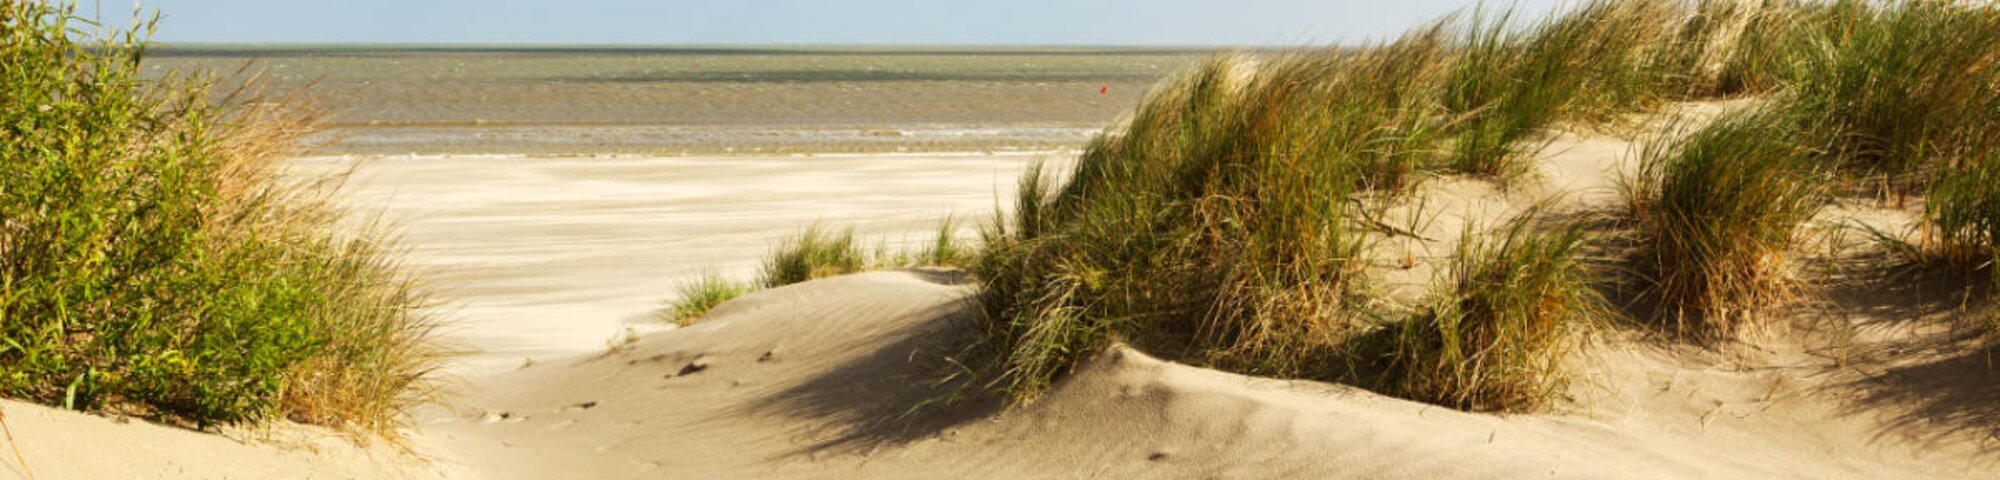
<point x="988" y="22"/>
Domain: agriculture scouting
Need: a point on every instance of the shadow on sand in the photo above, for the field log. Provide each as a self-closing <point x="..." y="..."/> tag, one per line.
<point x="1931" y="377"/>
<point x="908" y="388"/>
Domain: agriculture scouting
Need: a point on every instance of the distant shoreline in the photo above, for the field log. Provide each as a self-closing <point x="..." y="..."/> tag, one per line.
<point x="678" y="140"/>
<point x="203" y="49"/>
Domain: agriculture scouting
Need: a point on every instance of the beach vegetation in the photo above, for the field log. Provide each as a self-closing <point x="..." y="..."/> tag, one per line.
<point x="702" y="294"/>
<point x="154" y="261"/>
<point x="1716" y="211"/>
<point x="1224" y="223"/>
<point x="814" y="253"/>
<point x="1499" y="328"/>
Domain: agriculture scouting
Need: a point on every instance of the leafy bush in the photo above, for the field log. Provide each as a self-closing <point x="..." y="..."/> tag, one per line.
<point x="151" y="261"/>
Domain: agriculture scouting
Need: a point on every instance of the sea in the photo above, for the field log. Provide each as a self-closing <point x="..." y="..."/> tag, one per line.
<point x="689" y="100"/>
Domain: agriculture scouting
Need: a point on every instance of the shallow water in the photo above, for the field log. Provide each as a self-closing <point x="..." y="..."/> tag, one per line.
<point x="687" y="100"/>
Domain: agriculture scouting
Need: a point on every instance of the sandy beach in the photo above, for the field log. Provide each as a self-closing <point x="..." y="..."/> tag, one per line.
<point x="551" y="271"/>
<point x="1723" y="250"/>
<point x="815" y="380"/>
<point x="540" y="257"/>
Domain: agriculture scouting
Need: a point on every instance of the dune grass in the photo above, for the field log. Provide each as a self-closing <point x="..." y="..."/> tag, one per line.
<point x="1217" y="225"/>
<point x="1900" y="89"/>
<point x="946" y="249"/>
<point x="1508" y="83"/>
<point x="1220" y="224"/>
<point x="1499" y="326"/>
<point x="699" y="296"/>
<point x="152" y="262"/>
<point x="814" y="253"/>
<point x="818" y="252"/>
<point x="1961" y="223"/>
<point x="1717" y="211"/>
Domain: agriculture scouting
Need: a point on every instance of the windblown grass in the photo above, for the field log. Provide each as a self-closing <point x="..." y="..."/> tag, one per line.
<point x="1961" y="223"/>
<point x="703" y="294"/>
<point x="1900" y="88"/>
<point x="815" y="253"/>
<point x="1717" y="212"/>
<point x="946" y="249"/>
<point x="1589" y="65"/>
<point x="818" y="252"/>
<point x="152" y="262"/>
<point x="1730" y="48"/>
<point x="1500" y="326"/>
<point x="1962" y="213"/>
<point x="1218" y="225"/>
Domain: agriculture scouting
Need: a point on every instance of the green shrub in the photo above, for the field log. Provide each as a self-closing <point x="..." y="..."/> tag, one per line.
<point x="151" y="262"/>
<point x="813" y="254"/>
<point x="1499" y="325"/>
<point x="1717" y="212"/>
<point x="698" y="297"/>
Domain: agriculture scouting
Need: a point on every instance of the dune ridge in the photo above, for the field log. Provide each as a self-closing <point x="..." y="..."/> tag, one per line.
<point x="803" y="381"/>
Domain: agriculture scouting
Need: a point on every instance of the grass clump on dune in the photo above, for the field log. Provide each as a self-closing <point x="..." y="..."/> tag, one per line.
<point x="945" y="249"/>
<point x="1729" y="48"/>
<point x="1961" y="224"/>
<point x="703" y="294"/>
<point x="1222" y="224"/>
<point x="1508" y="84"/>
<point x="1899" y="89"/>
<point x="1717" y="211"/>
<point x="1217" y="227"/>
<point x="152" y="262"/>
<point x="815" y="253"/>
<point x="1512" y="307"/>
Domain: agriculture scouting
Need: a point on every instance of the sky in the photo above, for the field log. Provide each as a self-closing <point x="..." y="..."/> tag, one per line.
<point x="846" y="22"/>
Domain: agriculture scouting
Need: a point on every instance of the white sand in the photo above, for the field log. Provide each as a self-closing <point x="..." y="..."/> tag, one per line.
<point x="805" y="381"/>
<point x="61" y="445"/>
<point x="548" y="256"/>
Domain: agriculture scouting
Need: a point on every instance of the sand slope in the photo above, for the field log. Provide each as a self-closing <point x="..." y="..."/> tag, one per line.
<point x="829" y="379"/>
<point x="546" y="259"/>
<point x="61" y="444"/>
<point x="539" y="256"/>
<point x="801" y="382"/>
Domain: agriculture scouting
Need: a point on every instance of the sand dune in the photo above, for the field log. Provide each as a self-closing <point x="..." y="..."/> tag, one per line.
<point x="546" y="260"/>
<point x="829" y="380"/>
<point x="544" y="256"/>
<point x="62" y="444"/>
<point x="807" y="382"/>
